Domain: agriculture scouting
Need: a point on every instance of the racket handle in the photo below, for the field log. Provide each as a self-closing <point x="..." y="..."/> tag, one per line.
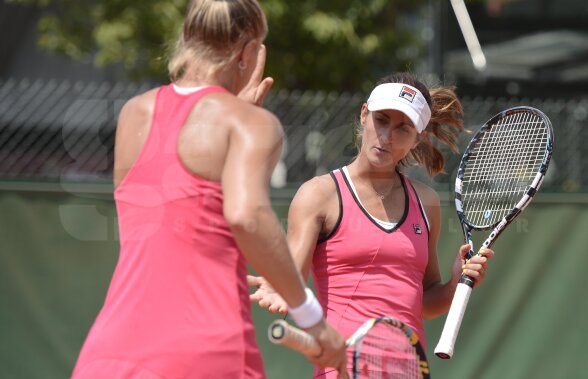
<point x="282" y="333"/>
<point x="459" y="304"/>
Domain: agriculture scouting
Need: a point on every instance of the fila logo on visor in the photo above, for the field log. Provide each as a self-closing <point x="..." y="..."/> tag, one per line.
<point x="407" y="94"/>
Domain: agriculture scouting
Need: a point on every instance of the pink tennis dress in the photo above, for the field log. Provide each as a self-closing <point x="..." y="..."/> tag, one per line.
<point x="178" y="303"/>
<point x="363" y="270"/>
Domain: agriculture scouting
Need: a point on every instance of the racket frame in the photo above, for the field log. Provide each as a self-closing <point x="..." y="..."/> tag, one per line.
<point x="499" y="226"/>
<point x="465" y="285"/>
<point x="282" y="333"/>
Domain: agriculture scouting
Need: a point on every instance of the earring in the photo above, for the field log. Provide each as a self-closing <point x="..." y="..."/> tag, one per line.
<point x="242" y="66"/>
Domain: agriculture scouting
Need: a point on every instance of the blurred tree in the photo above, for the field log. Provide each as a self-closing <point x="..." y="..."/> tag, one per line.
<point x="341" y="45"/>
<point x="326" y="45"/>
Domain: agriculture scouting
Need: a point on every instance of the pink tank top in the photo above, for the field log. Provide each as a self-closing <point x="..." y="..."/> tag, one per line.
<point x="363" y="270"/>
<point x="178" y="303"/>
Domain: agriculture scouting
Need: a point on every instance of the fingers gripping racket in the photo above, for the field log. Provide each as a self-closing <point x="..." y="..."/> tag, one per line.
<point x="500" y="172"/>
<point x="383" y="347"/>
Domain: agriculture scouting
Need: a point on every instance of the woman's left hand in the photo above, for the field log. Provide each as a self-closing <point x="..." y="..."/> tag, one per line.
<point x="265" y="295"/>
<point x="475" y="267"/>
<point x="258" y="86"/>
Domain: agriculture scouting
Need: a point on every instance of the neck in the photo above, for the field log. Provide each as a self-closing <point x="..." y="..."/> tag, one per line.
<point x="365" y="170"/>
<point x="199" y="77"/>
<point x="381" y="181"/>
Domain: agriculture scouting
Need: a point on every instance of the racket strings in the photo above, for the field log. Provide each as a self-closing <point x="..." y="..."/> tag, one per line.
<point x="386" y="352"/>
<point x="502" y="166"/>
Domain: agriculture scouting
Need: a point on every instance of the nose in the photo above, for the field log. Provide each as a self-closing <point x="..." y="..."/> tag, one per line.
<point x="388" y="134"/>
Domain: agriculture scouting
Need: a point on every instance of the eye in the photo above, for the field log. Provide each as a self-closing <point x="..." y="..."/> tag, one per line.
<point x="381" y="120"/>
<point x="405" y="128"/>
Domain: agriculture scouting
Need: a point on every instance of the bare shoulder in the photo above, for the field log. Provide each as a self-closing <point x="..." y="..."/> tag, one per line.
<point x="315" y="195"/>
<point x="428" y="196"/>
<point x="230" y="108"/>
<point x="139" y="106"/>
<point x="229" y="117"/>
<point x="132" y="130"/>
<point x="320" y="188"/>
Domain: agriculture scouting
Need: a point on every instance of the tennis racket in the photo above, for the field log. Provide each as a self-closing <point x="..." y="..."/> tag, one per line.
<point x="500" y="172"/>
<point x="383" y="347"/>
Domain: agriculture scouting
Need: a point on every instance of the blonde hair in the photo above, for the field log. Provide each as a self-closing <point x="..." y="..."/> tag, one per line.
<point x="445" y="124"/>
<point x="214" y="32"/>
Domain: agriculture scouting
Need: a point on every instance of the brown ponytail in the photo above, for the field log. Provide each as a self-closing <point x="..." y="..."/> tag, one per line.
<point x="445" y="124"/>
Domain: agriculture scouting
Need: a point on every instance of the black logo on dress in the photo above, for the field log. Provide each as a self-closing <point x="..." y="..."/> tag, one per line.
<point x="417" y="229"/>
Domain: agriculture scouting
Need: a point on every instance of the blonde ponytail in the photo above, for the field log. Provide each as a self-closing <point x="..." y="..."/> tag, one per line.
<point x="214" y="32"/>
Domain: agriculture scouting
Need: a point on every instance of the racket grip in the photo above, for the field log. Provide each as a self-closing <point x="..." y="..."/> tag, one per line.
<point x="282" y="333"/>
<point x="459" y="304"/>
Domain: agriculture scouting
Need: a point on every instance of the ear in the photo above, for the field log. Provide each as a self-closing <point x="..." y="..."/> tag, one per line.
<point x="249" y="50"/>
<point x="364" y="114"/>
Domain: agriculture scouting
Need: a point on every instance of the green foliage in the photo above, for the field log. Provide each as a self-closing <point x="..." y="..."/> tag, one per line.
<point x="136" y="35"/>
<point x="338" y="45"/>
<point x="334" y="45"/>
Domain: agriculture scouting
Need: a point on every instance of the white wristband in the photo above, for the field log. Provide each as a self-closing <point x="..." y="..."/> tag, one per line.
<point x="308" y="313"/>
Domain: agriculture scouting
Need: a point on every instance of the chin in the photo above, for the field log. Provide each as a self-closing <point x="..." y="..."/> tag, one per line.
<point x="382" y="162"/>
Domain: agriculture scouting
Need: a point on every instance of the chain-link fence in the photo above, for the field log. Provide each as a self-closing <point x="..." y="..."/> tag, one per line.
<point x="64" y="131"/>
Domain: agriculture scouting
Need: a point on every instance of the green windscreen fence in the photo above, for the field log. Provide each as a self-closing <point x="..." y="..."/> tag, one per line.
<point x="527" y="320"/>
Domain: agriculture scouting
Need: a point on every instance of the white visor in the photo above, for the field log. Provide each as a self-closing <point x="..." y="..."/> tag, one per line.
<point x="403" y="98"/>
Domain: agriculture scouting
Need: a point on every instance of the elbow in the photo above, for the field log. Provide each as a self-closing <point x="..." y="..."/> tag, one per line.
<point x="431" y="312"/>
<point x="428" y="315"/>
<point x="243" y="220"/>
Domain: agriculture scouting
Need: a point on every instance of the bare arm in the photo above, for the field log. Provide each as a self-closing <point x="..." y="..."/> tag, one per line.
<point x="437" y="296"/>
<point x="254" y="149"/>
<point x="306" y="218"/>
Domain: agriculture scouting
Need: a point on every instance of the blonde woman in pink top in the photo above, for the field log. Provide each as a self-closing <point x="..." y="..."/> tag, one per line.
<point x="192" y="167"/>
<point x="368" y="232"/>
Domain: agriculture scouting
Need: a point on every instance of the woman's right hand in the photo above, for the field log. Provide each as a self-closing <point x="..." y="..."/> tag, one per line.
<point x="333" y="348"/>
<point x="266" y="296"/>
<point x="332" y="343"/>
